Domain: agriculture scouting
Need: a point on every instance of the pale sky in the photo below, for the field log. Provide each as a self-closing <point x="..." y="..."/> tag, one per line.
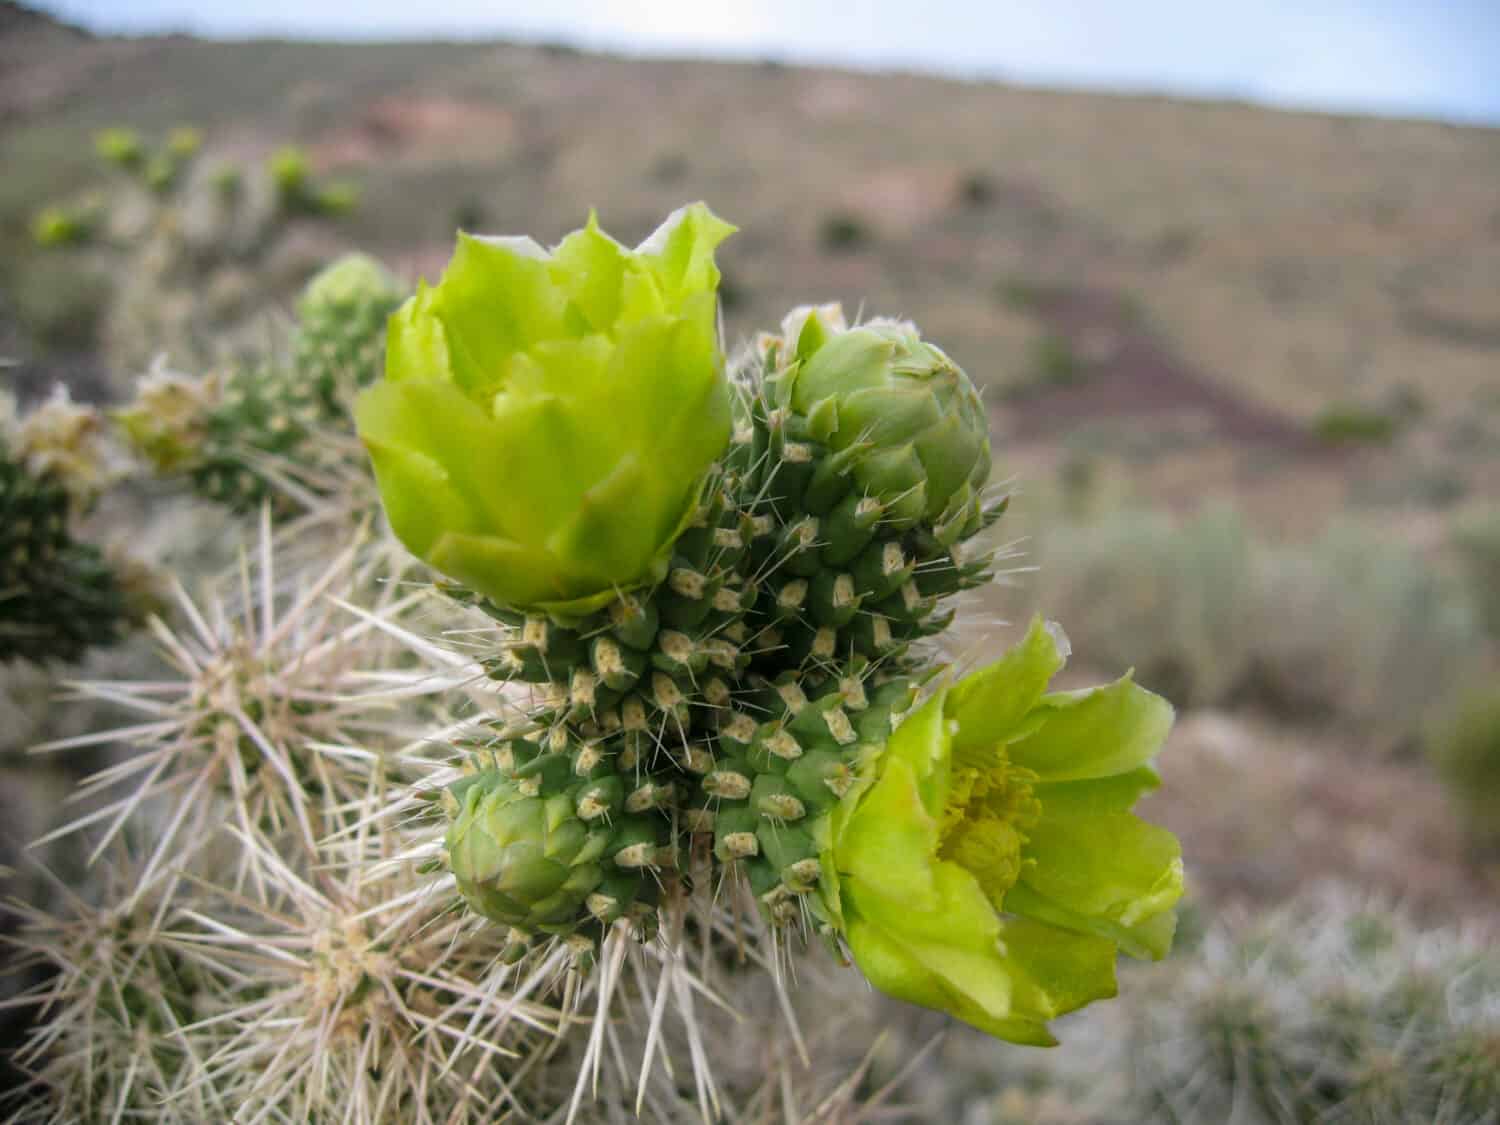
<point x="1439" y="58"/>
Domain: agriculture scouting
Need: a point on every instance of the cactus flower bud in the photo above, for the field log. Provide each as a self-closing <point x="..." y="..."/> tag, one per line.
<point x="547" y="418"/>
<point x="905" y="414"/>
<point x="988" y="864"/>
<point x="529" y="861"/>
<point x="120" y="146"/>
<point x="341" y="326"/>
<point x="56" y="226"/>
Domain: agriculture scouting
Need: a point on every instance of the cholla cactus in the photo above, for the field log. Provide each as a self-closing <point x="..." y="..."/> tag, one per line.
<point x="159" y="168"/>
<point x="298" y="193"/>
<point x="347" y="991"/>
<point x="59" y="595"/>
<point x="725" y="641"/>
<point x="270" y="431"/>
<point x="277" y="696"/>
<point x="113" y="1003"/>
<point x="1343" y="1012"/>
<point x="195" y="244"/>
<point x="1337" y="1007"/>
<point x="712" y="601"/>
<point x="341" y="320"/>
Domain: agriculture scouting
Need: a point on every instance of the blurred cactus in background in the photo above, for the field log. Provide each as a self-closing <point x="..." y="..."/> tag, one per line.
<point x="1332" y="1008"/>
<point x="279" y="429"/>
<point x="297" y="191"/>
<point x="65" y="225"/>
<point x="188" y="241"/>
<point x="59" y="595"/>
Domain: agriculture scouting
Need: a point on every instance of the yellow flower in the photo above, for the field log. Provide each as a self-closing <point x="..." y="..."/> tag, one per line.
<point x="547" y="418"/>
<point x="989" y="864"/>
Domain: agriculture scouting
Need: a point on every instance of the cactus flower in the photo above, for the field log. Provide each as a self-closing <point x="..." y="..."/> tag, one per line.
<point x="988" y="864"/>
<point x="547" y="418"/>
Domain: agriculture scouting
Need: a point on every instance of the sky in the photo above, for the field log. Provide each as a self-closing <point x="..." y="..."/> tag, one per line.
<point x="1438" y="58"/>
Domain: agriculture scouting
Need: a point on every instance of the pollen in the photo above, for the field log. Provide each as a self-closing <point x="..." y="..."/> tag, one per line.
<point x="983" y="829"/>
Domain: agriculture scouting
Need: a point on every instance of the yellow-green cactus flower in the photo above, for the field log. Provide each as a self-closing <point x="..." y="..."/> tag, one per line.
<point x="988" y="864"/>
<point x="547" y="418"/>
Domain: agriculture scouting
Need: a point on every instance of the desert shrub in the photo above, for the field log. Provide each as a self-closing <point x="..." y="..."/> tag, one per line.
<point x="670" y="168"/>
<point x="842" y="232"/>
<point x="977" y="190"/>
<point x="1478" y="543"/>
<point x="1057" y="364"/>
<point x="1363" y="631"/>
<point x="470" y="215"/>
<point x="1347" y="629"/>
<point x="1053" y="363"/>
<point x="1174" y="601"/>
<point x="1354" y="425"/>
<point x="1466" y="751"/>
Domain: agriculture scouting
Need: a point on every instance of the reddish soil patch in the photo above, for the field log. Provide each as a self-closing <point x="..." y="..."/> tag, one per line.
<point x="1132" y="372"/>
<point x="423" y="126"/>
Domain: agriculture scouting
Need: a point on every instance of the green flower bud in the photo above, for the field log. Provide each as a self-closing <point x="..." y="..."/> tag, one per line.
<point x="341" y="326"/>
<point x="62" y="226"/>
<point x="121" y="147"/>
<point x="547" y="418"/>
<point x="908" y="417"/>
<point x="995" y="797"/>
<point x="523" y="857"/>
<point x="337" y="199"/>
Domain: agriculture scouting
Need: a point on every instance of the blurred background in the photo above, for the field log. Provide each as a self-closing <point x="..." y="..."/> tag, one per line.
<point x="1229" y="278"/>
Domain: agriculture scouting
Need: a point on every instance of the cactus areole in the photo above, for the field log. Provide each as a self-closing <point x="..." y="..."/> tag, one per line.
<point x="547" y="418"/>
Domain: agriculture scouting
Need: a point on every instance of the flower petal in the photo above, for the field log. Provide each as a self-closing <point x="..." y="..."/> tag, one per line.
<point x="1093" y="866"/>
<point x="889" y="842"/>
<point x="1055" y="971"/>
<point x="1094" y="733"/>
<point x="991" y="703"/>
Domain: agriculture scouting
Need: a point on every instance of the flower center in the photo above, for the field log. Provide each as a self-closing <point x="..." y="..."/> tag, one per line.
<point x="983" y="830"/>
